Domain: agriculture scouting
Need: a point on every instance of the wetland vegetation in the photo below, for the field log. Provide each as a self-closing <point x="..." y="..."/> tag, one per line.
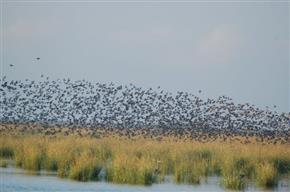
<point x="144" y="161"/>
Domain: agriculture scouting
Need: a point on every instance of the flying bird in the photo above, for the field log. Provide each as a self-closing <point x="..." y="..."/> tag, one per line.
<point x="11" y="65"/>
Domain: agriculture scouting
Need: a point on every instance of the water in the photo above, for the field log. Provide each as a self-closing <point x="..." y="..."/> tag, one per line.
<point x="17" y="180"/>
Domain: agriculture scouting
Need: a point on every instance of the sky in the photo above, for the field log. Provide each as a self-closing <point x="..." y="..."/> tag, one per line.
<point x="238" y="50"/>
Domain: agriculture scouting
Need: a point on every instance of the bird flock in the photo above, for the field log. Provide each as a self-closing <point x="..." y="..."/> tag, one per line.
<point x="129" y="109"/>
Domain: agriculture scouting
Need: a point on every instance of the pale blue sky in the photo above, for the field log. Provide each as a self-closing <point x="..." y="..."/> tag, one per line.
<point x="240" y="51"/>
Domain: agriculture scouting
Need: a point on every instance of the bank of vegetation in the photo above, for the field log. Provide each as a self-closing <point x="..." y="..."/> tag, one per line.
<point x="147" y="161"/>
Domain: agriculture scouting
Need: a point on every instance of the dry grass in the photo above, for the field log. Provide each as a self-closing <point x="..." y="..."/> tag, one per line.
<point x="266" y="175"/>
<point x="146" y="161"/>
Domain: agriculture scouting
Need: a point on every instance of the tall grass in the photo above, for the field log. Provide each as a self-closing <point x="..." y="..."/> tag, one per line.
<point x="190" y="165"/>
<point x="234" y="172"/>
<point x="3" y="163"/>
<point x="6" y="147"/>
<point x="85" y="167"/>
<point x="146" y="161"/>
<point x="266" y="175"/>
<point x="131" y="170"/>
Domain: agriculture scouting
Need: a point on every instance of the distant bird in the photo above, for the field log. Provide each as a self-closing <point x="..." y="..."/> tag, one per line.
<point x="37" y="58"/>
<point x="199" y="91"/>
<point x="11" y="65"/>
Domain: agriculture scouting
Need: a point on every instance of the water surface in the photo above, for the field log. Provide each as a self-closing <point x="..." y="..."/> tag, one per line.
<point x="18" y="180"/>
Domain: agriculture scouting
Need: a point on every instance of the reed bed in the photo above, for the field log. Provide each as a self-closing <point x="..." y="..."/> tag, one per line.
<point x="3" y="163"/>
<point x="146" y="161"/>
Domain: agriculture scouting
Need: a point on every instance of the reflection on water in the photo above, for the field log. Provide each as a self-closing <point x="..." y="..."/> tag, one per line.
<point x="12" y="179"/>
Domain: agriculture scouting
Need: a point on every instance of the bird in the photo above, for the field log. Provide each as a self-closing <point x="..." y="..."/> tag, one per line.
<point x="131" y="110"/>
<point x="37" y="58"/>
<point x="11" y="65"/>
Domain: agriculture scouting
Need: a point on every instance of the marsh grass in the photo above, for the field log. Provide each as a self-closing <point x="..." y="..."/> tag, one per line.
<point x="282" y="164"/>
<point x="191" y="166"/>
<point x="130" y="170"/>
<point x="235" y="170"/>
<point x="85" y="168"/>
<point x="146" y="161"/>
<point x="3" y="163"/>
<point x="6" y="152"/>
<point x="267" y="175"/>
<point x="6" y="148"/>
